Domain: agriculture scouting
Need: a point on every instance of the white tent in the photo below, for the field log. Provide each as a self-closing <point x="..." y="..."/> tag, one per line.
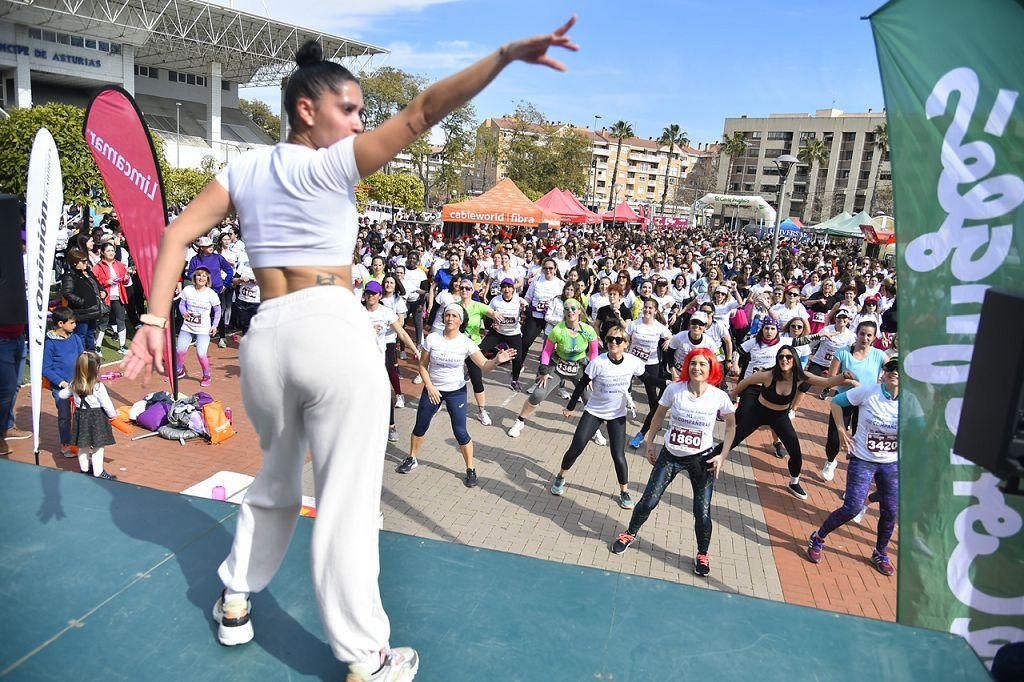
<point x="761" y="208"/>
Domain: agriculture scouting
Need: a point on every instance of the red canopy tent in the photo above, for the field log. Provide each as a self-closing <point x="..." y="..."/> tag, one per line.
<point x="591" y="217"/>
<point x="621" y="214"/>
<point x="880" y="230"/>
<point x="503" y="204"/>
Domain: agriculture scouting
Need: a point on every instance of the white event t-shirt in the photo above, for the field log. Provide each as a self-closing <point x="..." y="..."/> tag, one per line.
<point x="691" y="419"/>
<point x="381" y="320"/>
<point x="877" y="437"/>
<point x="644" y="339"/>
<point x="609" y="383"/>
<point x="447" y="359"/>
<point x="199" y="305"/>
<point x="509" y="312"/>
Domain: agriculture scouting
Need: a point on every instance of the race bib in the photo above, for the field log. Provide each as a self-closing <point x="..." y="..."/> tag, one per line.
<point x="641" y="353"/>
<point x="882" y="443"/>
<point x="540" y="306"/>
<point x="828" y="356"/>
<point x="507" y="324"/>
<point x="567" y="368"/>
<point x="818" y="317"/>
<point x="685" y="439"/>
<point x="192" y="318"/>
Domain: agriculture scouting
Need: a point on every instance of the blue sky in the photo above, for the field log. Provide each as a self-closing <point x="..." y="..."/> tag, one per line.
<point x="669" y="61"/>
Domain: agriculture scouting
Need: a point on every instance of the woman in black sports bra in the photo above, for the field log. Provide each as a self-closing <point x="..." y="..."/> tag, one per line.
<point x="773" y="404"/>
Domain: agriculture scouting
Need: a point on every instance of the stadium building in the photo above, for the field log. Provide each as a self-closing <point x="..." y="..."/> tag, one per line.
<point x="183" y="61"/>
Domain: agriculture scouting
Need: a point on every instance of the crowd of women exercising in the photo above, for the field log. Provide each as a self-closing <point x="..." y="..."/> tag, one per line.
<point x="709" y="326"/>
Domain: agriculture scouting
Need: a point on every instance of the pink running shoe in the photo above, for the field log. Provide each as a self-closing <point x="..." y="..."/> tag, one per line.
<point x="206" y="381"/>
<point x="815" y="546"/>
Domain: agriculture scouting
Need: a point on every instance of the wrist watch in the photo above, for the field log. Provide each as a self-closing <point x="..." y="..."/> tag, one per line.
<point x="153" y="321"/>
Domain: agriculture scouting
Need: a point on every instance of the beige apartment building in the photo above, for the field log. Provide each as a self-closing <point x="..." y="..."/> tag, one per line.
<point x="644" y="165"/>
<point x="855" y="169"/>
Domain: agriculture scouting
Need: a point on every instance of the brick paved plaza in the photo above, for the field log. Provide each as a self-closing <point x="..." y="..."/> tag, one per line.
<point x="759" y="534"/>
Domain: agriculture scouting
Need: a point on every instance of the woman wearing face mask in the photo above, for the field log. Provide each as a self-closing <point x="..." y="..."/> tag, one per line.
<point x="295" y="202"/>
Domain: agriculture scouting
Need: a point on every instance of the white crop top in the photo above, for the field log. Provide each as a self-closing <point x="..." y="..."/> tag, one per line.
<point x="296" y="205"/>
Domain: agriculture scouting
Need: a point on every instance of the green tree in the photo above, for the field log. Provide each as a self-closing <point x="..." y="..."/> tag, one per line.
<point x="395" y="189"/>
<point x="735" y="146"/>
<point x="182" y="185"/>
<point x="457" y="140"/>
<point x="881" y="199"/>
<point x="672" y="136"/>
<point x="260" y="114"/>
<point x="881" y="133"/>
<point x="620" y="130"/>
<point x="814" y="153"/>
<point x="64" y="121"/>
<point x="386" y="92"/>
<point x="565" y="159"/>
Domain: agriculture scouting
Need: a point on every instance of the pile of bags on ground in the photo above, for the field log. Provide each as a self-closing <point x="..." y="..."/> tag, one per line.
<point x="188" y="417"/>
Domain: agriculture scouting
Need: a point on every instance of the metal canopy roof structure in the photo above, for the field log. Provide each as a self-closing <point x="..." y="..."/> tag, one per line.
<point x="186" y="35"/>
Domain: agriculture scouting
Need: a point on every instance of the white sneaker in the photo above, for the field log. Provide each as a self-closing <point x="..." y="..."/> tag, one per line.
<point x="828" y="472"/>
<point x="485" y="418"/>
<point x="516" y="429"/>
<point x="400" y="402"/>
<point x="417" y="379"/>
<point x="400" y="665"/>
<point x="233" y="631"/>
<point x="222" y="343"/>
<point x="792" y="416"/>
<point x="860" y="516"/>
<point x="599" y="438"/>
<point x="564" y="394"/>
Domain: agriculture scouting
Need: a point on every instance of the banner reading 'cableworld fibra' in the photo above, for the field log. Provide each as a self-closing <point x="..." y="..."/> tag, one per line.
<point x="44" y="196"/>
<point x="952" y="72"/>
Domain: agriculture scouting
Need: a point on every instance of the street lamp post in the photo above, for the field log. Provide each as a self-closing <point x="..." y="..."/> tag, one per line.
<point x="785" y="164"/>
<point x="177" y="134"/>
<point x="593" y="163"/>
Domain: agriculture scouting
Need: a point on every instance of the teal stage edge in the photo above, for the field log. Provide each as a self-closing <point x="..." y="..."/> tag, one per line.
<point x="108" y="581"/>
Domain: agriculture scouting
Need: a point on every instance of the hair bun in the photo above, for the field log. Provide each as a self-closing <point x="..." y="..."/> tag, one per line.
<point x="310" y="54"/>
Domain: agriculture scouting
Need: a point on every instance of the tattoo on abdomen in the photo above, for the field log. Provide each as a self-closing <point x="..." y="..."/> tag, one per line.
<point x="326" y="280"/>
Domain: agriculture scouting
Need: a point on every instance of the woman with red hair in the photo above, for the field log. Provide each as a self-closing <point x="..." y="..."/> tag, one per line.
<point x="693" y="404"/>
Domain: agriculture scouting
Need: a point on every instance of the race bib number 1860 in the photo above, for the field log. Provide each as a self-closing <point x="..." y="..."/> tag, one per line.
<point x="686" y="439"/>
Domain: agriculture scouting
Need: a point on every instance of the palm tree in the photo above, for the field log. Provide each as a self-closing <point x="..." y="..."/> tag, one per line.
<point x="620" y="130"/>
<point x="814" y="153"/>
<point x="735" y="145"/>
<point x="672" y="136"/>
<point x="881" y="133"/>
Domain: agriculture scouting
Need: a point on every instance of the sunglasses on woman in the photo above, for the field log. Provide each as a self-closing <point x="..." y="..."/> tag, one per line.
<point x="616" y="340"/>
<point x="785" y="357"/>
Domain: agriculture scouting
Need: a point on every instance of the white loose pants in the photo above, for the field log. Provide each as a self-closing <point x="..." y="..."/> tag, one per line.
<point x="313" y="377"/>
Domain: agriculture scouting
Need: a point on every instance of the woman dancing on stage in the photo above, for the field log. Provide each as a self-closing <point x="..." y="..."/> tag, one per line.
<point x="296" y="204"/>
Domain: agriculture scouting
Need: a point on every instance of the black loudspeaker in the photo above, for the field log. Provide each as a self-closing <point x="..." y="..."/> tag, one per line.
<point x="991" y="430"/>
<point x="13" y="305"/>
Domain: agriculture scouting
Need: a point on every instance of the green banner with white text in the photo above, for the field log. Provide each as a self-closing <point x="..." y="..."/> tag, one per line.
<point x="952" y="72"/>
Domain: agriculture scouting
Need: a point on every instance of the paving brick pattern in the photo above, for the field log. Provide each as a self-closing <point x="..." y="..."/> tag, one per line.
<point x="760" y="530"/>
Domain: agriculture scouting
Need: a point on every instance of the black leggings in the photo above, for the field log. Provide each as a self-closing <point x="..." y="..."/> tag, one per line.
<point x="585" y="430"/>
<point x="532" y="328"/>
<point x="476" y="376"/>
<point x="851" y="416"/>
<point x="514" y="341"/>
<point x="653" y="386"/>
<point x="757" y="415"/>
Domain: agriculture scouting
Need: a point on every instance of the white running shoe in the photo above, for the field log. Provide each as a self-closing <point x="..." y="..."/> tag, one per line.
<point x="860" y="516"/>
<point x="599" y="438"/>
<point x="516" y="428"/>
<point x="792" y="415"/>
<point x="828" y="472"/>
<point x="233" y="631"/>
<point x="564" y="394"/>
<point x="417" y="379"/>
<point x="222" y="343"/>
<point x="400" y="402"/>
<point x="400" y="665"/>
<point x="485" y="418"/>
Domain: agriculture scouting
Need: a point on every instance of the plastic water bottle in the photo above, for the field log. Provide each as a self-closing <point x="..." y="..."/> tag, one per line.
<point x="227" y="413"/>
<point x="220" y="493"/>
<point x="107" y="376"/>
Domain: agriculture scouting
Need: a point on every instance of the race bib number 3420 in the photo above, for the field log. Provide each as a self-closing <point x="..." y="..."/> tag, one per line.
<point x="882" y="444"/>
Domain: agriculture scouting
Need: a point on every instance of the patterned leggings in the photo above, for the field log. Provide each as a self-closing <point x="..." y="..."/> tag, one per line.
<point x="859" y="476"/>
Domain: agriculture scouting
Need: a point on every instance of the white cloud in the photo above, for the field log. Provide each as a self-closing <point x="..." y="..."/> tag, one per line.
<point x="348" y="18"/>
<point x="448" y="55"/>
